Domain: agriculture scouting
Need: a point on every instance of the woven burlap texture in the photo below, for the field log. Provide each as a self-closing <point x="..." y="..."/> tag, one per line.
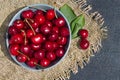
<point x="76" y="57"/>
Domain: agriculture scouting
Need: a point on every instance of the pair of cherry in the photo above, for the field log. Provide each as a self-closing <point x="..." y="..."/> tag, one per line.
<point x="38" y="38"/>
<point x="83" y="43"/>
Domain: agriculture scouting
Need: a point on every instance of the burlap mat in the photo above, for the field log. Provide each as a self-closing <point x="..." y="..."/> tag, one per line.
<point x="76" y="57"/>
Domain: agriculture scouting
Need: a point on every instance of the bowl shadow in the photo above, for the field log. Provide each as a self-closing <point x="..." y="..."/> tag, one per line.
<point x="3" y="30"/>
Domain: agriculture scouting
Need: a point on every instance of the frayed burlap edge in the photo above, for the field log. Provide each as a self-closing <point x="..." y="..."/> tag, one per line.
<point x="75" y="58"/>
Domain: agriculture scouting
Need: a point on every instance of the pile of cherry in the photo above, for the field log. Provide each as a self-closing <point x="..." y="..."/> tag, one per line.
<point x="38" y="38"/>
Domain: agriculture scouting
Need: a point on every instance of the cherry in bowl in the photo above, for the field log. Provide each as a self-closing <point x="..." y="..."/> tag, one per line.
<point x="38" y="45"/>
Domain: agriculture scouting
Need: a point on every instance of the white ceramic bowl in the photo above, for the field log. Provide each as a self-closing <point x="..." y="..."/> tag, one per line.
<point x="44" y="7"/>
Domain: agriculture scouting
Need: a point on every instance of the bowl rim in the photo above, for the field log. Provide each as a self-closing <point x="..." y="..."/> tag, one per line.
<point x="11" y="22"/>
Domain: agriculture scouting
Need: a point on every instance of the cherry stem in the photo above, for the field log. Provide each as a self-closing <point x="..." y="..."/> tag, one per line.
<point x="55" y="13"/>
<point x="30" y="26"/>
<point x="24" y="55"/>
<point x="30" y="20"/>
<point x="25" y="37"/>
<point x="38" y="9"/>
<point x="38" y="64"/>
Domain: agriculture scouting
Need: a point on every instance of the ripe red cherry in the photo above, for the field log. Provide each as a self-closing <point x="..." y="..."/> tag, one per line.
<point x="32" y="62"/>
<point x="19" y="24"/>
<point x="64" y="31"/>
<point x="22" y="33"/>
<point x="60" y="22"/>
<point x="35" y="47"/>
<point x="40" y="19"/>
<point x="83" y="33"/>
<point x="55" y="29"/>
<point x="61" y="46"/>
<point x="59" y="52"/>
<point x="29" y="33"/>
<point x="31" y="54"/>
<point x="44" y="62"/>
<point x="37" y="39"/>
<point x="84" y="44"/>
<point x="44" y="38"/>
<point x="27" y="14"/>
<point x="48" y="46"/>
<point x="26" y="26"/>
<point x="12" y="30"/>
<point x="35" y="24"/>
<point x="53" y="37"/>
<point x="39" y="12"/>
<point x="37" y="30"/>
<point x="45" y="29"/>
<point x="55" y="45"/>
<point x="21" y="58"/>
<point x="51" y="56"/>
<point x="14" y="49"/>
<point x="50" y="14"/>
<point x="62" y="40"/>
<point x="17" y="38"/>
<point x="25" y="49"/>
<point x="39" y="54"/>
<point x="48" y="23"/>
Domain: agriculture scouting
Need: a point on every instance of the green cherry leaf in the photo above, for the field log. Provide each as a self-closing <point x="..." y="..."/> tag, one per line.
<point x="68" y="12"/>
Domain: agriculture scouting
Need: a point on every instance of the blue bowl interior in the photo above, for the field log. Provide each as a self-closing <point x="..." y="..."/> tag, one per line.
<point x="45" y="7"/>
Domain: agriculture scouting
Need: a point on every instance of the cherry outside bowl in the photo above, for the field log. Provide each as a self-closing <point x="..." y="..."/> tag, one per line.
<point x="44" y="7"/>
